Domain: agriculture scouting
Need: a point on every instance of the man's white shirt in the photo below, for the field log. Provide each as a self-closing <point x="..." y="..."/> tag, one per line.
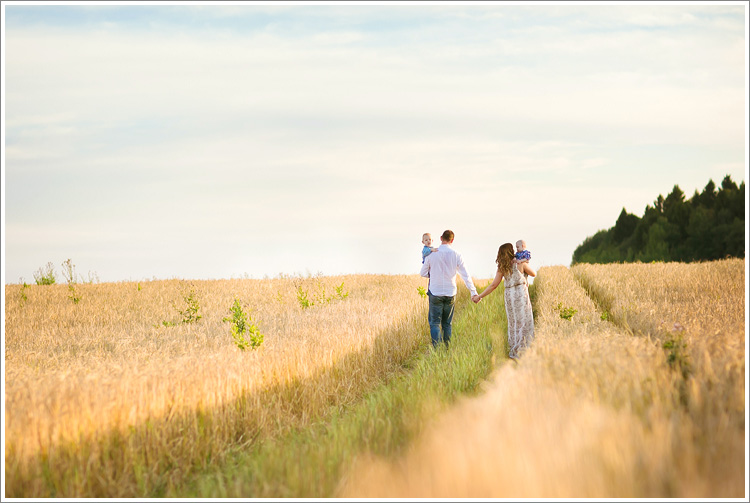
<point x="441" y="267"/>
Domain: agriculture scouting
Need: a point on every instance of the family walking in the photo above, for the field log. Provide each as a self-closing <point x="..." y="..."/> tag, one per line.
<point x="442" y="264"/>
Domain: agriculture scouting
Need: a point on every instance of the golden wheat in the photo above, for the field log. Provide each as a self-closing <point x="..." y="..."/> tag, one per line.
<point x="698" y="312"/>
<point x="594" y="410"/>
<point x="75" y="373"/>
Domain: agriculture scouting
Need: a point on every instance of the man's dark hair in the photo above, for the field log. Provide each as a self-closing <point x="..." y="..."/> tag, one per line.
<point x="447" y="236"/>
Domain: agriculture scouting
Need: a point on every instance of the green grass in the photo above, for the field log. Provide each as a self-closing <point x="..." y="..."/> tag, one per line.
<point x="310" y="462"/>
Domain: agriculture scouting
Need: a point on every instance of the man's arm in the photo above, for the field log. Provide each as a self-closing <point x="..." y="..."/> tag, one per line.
<point x="465" y="276"/>
<point x="425" y="272"/>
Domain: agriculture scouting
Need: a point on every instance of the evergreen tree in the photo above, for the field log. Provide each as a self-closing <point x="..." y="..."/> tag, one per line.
<point x="677" y="214"/>
<point x="624" y="227"/>
<point x="708" y="196"/>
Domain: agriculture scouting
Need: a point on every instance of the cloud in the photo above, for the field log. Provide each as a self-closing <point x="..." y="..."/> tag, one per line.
<point x="235" y="132"/>
<point x="623" y="80"/>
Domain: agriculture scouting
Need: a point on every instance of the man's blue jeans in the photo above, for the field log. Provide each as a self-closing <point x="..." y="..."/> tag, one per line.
<point x="440" y="316"/>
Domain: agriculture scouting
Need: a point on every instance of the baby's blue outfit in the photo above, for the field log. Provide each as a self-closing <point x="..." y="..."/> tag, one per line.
<point x="425" y="251"/>
<point x="526" y="254"/>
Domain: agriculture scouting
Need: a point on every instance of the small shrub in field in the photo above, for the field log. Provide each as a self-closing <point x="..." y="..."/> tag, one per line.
<point x="69" y="271"/>
<point x="321" y="297"/>
<point x="302" y="298"/>
<point x="422" y="292"/>
<point x="23" y="296"/>
<point x="566" y="313"/>
<point x="74" y="296"/>
<point x="242" y="326"/>
<point x="340" y="293"/>
<point x="677" y="354"/>
<point x="190" y="313"/>
<point x="45" y="276"/>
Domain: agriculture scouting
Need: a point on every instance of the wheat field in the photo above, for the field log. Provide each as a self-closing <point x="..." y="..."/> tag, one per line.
<point x="639" y="394"/>
<point x="633" y="387"/>
<point x="103" y="397"/>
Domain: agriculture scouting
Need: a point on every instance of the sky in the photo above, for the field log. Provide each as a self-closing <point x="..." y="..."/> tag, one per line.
<point x="196" y="141"/>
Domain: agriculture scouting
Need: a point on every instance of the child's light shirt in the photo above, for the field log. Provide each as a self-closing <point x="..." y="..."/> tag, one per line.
<point x="426" y="251"/>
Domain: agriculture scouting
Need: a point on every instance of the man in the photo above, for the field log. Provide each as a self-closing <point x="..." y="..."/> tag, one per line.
<point x="441" y="267"/>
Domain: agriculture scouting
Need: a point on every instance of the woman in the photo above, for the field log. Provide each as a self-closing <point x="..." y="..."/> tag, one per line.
<point x="517" y="302"/>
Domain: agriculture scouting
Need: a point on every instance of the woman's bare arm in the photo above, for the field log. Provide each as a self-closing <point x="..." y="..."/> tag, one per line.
<point x="495" y="283"/>
<point x="526" y="268"/>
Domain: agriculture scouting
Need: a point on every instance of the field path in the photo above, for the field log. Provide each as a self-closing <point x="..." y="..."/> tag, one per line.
<point x="609" y="403"/>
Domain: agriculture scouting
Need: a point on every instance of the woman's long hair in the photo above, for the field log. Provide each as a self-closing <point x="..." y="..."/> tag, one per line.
<point x="505" y="256"/>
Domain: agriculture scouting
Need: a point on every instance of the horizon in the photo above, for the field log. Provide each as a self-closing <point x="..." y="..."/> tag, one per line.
<point x="149" y="142"/>
<point x="92" y="276"/>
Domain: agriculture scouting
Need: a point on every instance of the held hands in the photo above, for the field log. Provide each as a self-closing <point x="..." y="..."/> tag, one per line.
<point x="476" y="299"/>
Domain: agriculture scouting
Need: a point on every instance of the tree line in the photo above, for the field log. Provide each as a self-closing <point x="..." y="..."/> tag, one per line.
<point x="708" y="226"/>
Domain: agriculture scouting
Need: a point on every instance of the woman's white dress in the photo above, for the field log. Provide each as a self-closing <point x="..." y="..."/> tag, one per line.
<point x="519" y="313"/>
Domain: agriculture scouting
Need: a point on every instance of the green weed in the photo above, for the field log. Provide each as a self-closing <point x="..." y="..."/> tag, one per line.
<point x="22" y="294"/>
<point x="45" y="276"/>
<point x="321" y="297"/>
<point x="190" y="313"/>
<point x="340" y="293"/>
<point x="242" y="326"/>
<point x="677" y="354"/>
<point x="566" y="313"/>
<point x="303" y="299"/>
<point x="74" y="296"/>
<point x="69" y="273"/>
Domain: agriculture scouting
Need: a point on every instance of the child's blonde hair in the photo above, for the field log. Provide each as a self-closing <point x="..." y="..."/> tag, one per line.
<point x="519" y="244"/>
